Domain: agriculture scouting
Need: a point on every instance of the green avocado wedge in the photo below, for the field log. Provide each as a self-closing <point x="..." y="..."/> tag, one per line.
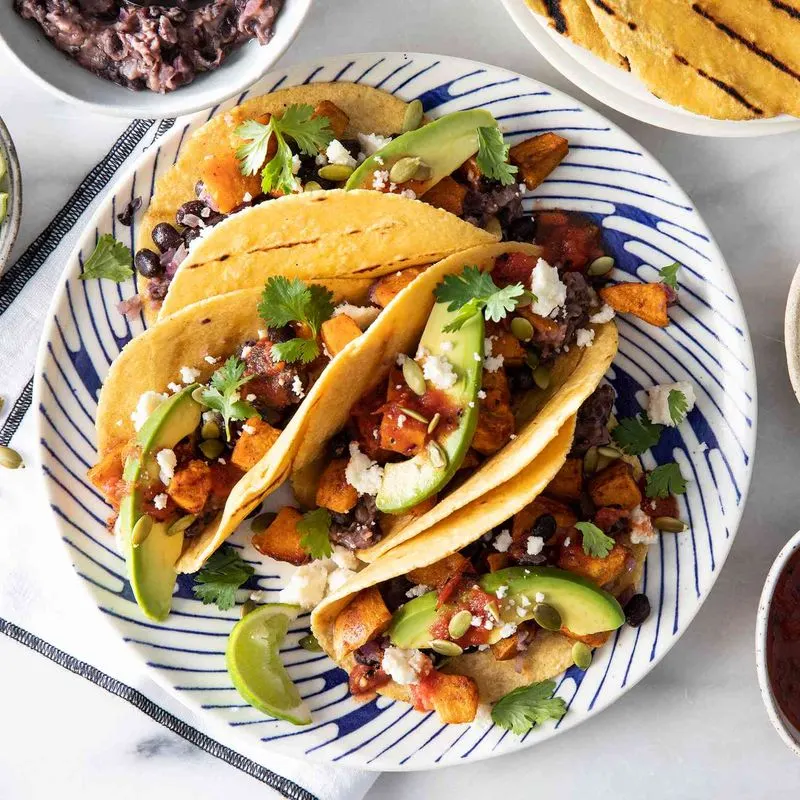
<point x="442" y="145"/>
<point x="253" y="661"/>
<point x="407" y="483"/>
<point x="153" y="554"/>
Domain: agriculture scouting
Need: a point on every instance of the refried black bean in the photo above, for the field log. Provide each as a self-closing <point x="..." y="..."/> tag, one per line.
<point x="637" y="610"/>
<point x="520" y="379"/>
<point x="165" y="237"/>
<point x="591" y="429"/>
<point x="522" y="229"/>
<point x="338" y="445"/>
<point x="394" y="592"/>
<point x="148" y="264"/>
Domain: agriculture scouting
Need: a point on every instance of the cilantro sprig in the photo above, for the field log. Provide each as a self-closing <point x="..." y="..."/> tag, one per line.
<point x="220" y="577"/>
<point x="521" y="709"/>
<point x="595" y="542"/>
<point x="635" y="435"/>
<point x="492" y="157"/>
<point x="315" y="527"/>
<point x="284" y="301"/>
<point x="110" y="259"/>
<point x="665" y="480"/>
<point x="678" y="406"/>
<point x="311" y="134"/>
<point x="669" y="275"/>
<point x="223" y="394"/>
<point x="472" y="292"/>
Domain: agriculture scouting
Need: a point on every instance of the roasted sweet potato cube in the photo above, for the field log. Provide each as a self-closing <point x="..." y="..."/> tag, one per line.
<point x="455" y="698"/>
<point x="592" y="639"/>
<point x="106" y="474"/>
<point x="615" y="486"/>
<point x="656" y="507"/>
<point x="281" y="539"/>
<point x="438" y="573"/>
<point x="495" y="387"/>
<point x="568" y="481"/>
<point x="223" y="180"/>
<point x="364" y="618"/>
<point x="383" y="291"/>
<point x="648" y="301"/>
<point x="333" y="491"/>
<point x="497" y="561"/>
<point x="470" y="171"/>
<point x="600" y="570"/>
<point x="337" y="332"/>
<point x="339" y="121"/>
<point x="508" y="648"/>
<point x="256" y="439"/>
<point x="524" y="520"/>
<point x="507" y="345"/>
<point x="538" y="157"/>
<point x="401" y="433"/>
<point x="191" y="486"/>
<point x="448" y="194"/>
<point x="494" y="430"/>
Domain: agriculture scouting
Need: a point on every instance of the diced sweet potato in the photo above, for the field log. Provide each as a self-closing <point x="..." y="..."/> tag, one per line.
<point x="252" y="447"/>
<point x="106" y="474"/>
<point x="494" y="430"/>
<point x="525" y="519"/>
<point x="615" y="486"/>
<point x="600" y="570"/>
<point x="568" y="482"/>
<point x="383" y="291"/>
<point x="495" y="386"/>
<point x="538" y="157"/>
<point x="470" y="171"/>
<point x="505" y="344"/>
<point x="333" y="491"/>
<point x="448" y="194"/>
<point x="508" y="648"/>
<point x="648" y="301"/>
<point x="281" y="539"/>
<point x="364" y="618"/>
<point x="191" y="486"/>
<point x="401" y="433"/>
<point x="455" y="698"/>
<point x="337" y="332"/>
<point x="592" y="639"/>
<point x="656" y="507"/>
<point x="339" y="121"/>
<point x="497" y="561"/>
<point x="223" y="180"/>
<point x="438" y="573"/>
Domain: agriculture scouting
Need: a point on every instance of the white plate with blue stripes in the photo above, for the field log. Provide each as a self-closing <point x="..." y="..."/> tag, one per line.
<point x="648" y="222"/>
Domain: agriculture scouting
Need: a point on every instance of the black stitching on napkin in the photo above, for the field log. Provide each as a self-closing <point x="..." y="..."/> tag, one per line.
<point x="18" y="411"/>
<point x="286" y="787"/>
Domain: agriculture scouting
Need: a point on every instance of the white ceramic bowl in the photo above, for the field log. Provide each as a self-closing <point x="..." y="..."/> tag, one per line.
<point x="787" y="731"/>
<point x="25" y="41"/>
<point x="791" y="330"/>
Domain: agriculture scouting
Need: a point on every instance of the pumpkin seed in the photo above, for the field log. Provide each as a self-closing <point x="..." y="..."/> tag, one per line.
<point x="590" y="461"/>
<point x="262" y="521"/>
<point x="248" y="606"/>
<point x="434" y="422"/>
<point x="309" y="642"/>
<point x="412" y="373"/>
<point x="581" y="655"/>
<point x="445" y="648"/>
<point x="311" y="186"/>
<point x="532" y="359"/>
<point x="670" y="524"/>
<point x="493" y="226"/>
<point x="210" y="430"/>
<point x="141" y="530"/>
<point x="335" y="172"/>
<point x="547" y="617"/>
<point x="404" y="169"/>
<point x="541" y="377"/>
<point x="211" y="448"/>
<point x="609" y="452"/>
<point x="414" y="415"/>
<point x="522" y="329"/>
<point x="10" y="459"/>
<point x="437" y="455"/>
<point x="181" y="524"/>
<point x="459" y="624"/>
<point x="494" y="610"/>
<point x="602" y="462"/>
<point x="413" y="116"/>
<point x="423" y="172"/>
<point x="197" y="395"/>
<point x="601" y="266"/>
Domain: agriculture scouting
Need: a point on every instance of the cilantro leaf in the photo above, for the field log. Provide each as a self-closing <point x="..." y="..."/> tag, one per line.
<point x="253" y="153"/>
<point x="278" y="175"/>
<point x="595" y="542"/>
<point x="669" y="275"/>
<point x="223" y="394"/>
<point x="492" y="158"/>
<point x="678" y="406"/>
<point x="636" y="434"/>
<point x="110" y="259"/>
<point x="311" y="134"/>
<point x="315" y="526"/>
<point x="220" y="577"/>
<point x="297" y="349"/>
<point x="521" y="709"/>
<point x="665" y="480"/>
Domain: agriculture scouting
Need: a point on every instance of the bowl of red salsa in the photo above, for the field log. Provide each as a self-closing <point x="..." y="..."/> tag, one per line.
<point x="778" y="643"/>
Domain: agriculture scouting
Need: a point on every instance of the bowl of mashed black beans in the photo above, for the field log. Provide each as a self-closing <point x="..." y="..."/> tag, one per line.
<point x="139" y="60"/>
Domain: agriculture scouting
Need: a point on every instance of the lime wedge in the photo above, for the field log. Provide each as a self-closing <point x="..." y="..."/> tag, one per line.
<point x="255" y="666"/>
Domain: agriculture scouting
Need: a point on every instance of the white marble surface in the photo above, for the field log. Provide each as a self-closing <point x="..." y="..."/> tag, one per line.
<point x="695" y="728"/>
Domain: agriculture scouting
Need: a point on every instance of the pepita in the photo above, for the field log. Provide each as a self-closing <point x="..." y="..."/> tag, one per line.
<point x="582" y="655"/>
<point x="609" y="452"/>
<point x="445" y="648"/>
<point x="602" y="462"/>
<point x="423" y="172"/>
<point x="414" y="415"/>
<point x="404" y="169"/>
<point x="493" y="226"/>
<point x="541" y="377"/>
<point x="210" y="430"/>
<point x="590" y="461"/>
<point x="459" y="624"/>
<point x="670" y="524"/>
<point x="532" y="359"/>
<point x="335" y="172"/>
<point x="437" y="455"/>
<point x="141" y="530"/>
<point x="10" y="459"/>
<point x="262" y="521"/>
<point x="248" y="606"/>
<point x="309" y="642"/>
<point x="412" y="373"/>
<point x="434" y="422"/>
<point x="211" y="448"/>
<point x="522" y="329"/>
<point x="601" y="266"/>
<point x="547" y="617"/>
<point x="311" y="186"/>
<point x="197" y="395"/>
<point x="413" y="116"/>
<point x="493" y="609"/>
<point x="181" y="524"/>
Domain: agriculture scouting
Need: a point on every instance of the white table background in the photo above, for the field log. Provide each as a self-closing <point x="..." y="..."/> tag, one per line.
<point x="695" y="728"/>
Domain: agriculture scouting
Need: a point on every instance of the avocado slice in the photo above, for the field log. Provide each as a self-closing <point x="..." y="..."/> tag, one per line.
<point x="407" y="483"/>
<point x="584" y="607"/>
<point x="443" y="145"/>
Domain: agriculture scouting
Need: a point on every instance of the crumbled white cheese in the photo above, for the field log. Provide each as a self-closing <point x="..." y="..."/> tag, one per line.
<point x="246" y="351"/>
<point x="605" y="314"/>
<point x="509" y="629"/>
<point x="439" y="371"/>
<point x="306" y="587"/>
<point x="476" y="356"/>
<point x="446" y="346"/>
<point x="584" y="337"/>
<point x="297" y="386"/>
<point x="205" y="212"/>
<point x="247" y="197"/>
<point x="295" y="164"/>
<point x="148" y="402"/>
<point x="362" y="473"/>
<point x="481" y="394"/>
<point x="539" y="597"/>
<point x="418" y="590"/>
<point x="642" y="531"/>
<point x="392" y="187"/>
<point x="524" y="601"/>
<point x="491" y="363"/>
<point x="401" y="420"/>
<point x="248" y="429"/>
<point x="379" y="179"/>
<point x="250" y="397"/>
<point x="321" y="160"/>
<point x="210" y="359"/>
<point x="160" y="501"/>
<point x="166" y="460"/>
<point x="658" y="405"/>
<point x="344" y="558"/>
<point x="535" y="545"/>
<point x="503" y="541"/>
<point x="174" y="387"/>
<point x="339" y="578"/>
<point x="379" y="160"/>
<point x="402" y="665"/>
<point x="549" y="290"/>
<point x="337" y="153"/>
<point x="567" y="541"/>
<point x="372" y="142"/>
<point x="488" y="624"/>
<point x="521" y="612"/>
<point x="363" y="316"/>
<point x="501" y="592"/>
<point x="257" y="596"/>
<point x="401" y="359"/>
<point x="409" y="193"/>
<point x="476" y="622"/>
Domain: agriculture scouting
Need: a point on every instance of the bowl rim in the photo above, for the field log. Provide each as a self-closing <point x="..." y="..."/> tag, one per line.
<point x="791" y="330"/>
<point x="265" y="60"/>
<point x="14" y="212"/>
<point x="788" y="733"/>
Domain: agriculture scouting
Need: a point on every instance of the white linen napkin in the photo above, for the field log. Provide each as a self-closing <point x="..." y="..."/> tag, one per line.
<point x="34" y="567"/>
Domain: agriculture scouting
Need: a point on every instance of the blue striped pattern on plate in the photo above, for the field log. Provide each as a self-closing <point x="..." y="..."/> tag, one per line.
<point x="648" y="222"/>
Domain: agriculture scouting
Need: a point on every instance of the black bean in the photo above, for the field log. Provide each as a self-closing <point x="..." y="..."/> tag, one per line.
<point x="193" y="208"/>
<point x="166" y="237"/>
<point x="148" y="264"/>
<point x="522" y="230"/>
<point x="338" y="445"/>
<point x="544" y="527"/>
<point x="637" y="610"/>
<point x="190" y="234"/>
<point x="125" y="217"/>
<point x="520" y="379"/>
